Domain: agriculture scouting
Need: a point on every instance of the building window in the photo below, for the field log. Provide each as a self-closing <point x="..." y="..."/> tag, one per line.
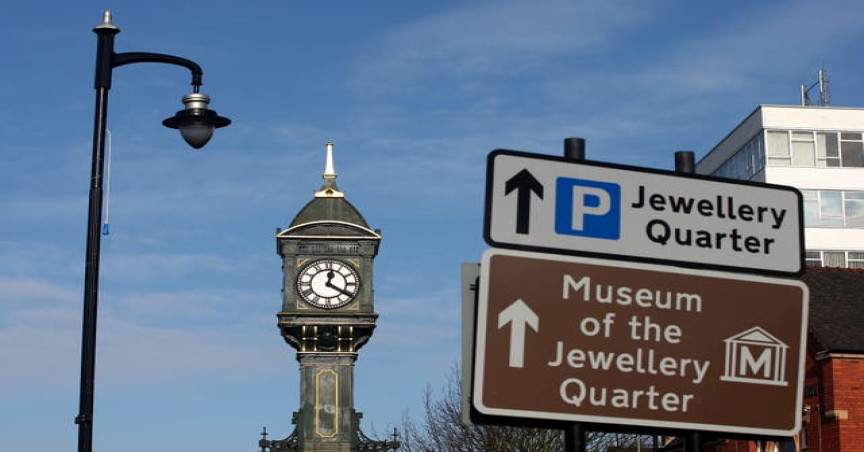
<point x="827" y="146"/>
<point x="808" y="149"/>
<point x="803" y="149"/>
<point x="838" y="259"/>
<point x="746" y="163"/>
<point x="813" y="258"/>
<point x="779" y="153"/>
<point x="855" y="259"/>
<point x="851" y="149"/>
<point x="853" y="202"/>
<point x="833" y="209"/>
<point x="833" y="259"/>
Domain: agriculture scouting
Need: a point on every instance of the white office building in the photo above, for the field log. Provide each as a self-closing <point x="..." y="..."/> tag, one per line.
<point x="820" y="151"/>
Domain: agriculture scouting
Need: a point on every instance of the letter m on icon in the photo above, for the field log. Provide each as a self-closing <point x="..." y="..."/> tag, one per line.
<point x="588" y="208"/>
<point x="753" y="365"/>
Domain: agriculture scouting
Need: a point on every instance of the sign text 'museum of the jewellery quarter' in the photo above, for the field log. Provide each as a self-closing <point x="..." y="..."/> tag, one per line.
<point x="585" y="340"/>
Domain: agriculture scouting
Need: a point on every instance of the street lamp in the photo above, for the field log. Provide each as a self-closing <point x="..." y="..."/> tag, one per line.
<point x="196" y="124"/>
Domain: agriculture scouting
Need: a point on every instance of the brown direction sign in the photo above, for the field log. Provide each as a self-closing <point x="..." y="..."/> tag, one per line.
<point x="587" y="340"/>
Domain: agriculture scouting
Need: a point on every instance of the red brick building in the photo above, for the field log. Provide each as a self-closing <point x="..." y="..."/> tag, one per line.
<point x="834" y="381"/>
<point x="833" y="406"/>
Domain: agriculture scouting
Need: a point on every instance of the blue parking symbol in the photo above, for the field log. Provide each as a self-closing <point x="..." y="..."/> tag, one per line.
<point x="588" y="208"/>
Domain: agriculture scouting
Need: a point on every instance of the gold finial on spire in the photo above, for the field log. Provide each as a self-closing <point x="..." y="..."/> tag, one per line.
<point x="329" y="189"/>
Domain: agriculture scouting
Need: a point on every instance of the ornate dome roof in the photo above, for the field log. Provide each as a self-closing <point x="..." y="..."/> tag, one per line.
<point x="329" y="214"/>
<point x="329" y="210"/>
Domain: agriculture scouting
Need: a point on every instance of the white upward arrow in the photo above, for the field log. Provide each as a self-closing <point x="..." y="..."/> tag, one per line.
<point x="518" y="315"/>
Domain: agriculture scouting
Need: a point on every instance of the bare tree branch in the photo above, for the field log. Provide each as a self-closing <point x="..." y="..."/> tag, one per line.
<point x="442" y="429"/>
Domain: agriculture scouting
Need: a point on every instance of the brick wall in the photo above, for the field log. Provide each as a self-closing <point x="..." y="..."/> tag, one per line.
<point x="834" y="400"/>
<point x="846" y="410"/>
<point x="833" y="403"/>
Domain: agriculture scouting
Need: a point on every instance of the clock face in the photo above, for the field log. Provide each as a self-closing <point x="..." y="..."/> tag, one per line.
<point x="328" y="283"/>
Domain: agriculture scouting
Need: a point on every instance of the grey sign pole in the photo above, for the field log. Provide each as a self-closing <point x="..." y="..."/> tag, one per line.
<point x="685" y="163"/>
<point x="574" y="434"/>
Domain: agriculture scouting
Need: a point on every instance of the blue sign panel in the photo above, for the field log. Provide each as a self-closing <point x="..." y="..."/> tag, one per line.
<point x="588" y="208"/>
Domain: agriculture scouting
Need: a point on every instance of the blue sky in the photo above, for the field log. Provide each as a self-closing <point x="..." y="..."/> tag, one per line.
<point x="414" y="94"/>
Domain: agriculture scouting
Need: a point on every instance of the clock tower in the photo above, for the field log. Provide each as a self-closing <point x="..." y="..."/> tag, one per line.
<point x="328" y="314"/>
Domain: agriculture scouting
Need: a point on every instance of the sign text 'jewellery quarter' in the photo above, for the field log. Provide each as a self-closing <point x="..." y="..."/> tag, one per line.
<point x="550" y="204"/>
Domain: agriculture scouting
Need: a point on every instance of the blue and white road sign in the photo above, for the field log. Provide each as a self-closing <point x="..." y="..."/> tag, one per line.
<point x="551" y="204"/>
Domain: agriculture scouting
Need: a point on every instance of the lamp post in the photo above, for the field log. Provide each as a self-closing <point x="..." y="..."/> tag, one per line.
<point x="196" y="124"/>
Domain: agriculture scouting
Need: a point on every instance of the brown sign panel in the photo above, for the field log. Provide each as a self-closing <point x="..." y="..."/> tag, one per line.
<point x="586" y="340"/>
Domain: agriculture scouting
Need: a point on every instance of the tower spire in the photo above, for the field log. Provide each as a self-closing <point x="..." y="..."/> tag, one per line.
<point x="329" y="189"/>
<point x="329" y="172"/>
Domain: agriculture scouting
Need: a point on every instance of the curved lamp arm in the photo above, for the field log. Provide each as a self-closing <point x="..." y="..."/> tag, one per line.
<point x="122" y="59"/>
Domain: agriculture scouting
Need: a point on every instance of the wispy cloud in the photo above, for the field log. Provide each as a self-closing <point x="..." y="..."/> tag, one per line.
<point x="43" y="348"/>
<point x="489" y="37"/>
<point x="52" y="211"/>
<point x="202" y="308"/>
<point x="38" y="360"/>
<point x="457" y="62"/>
<point x="147" y="335"/>
<point x="418" y="322"/>
<point x="764" y="40"/>
<point x="150" y="266"/>
<point x="40" y="337"/>
<point x="24" y="291"/>
<point x="149" y="355"/>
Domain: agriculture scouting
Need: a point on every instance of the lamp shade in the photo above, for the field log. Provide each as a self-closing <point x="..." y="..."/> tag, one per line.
<point x="196" y="122"/>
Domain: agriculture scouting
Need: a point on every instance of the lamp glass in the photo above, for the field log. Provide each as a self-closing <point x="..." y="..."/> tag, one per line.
<point x="197" y="133"/>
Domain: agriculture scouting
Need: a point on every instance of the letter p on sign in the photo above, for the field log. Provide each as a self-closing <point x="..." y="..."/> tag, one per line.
<point x="588" y="208"/>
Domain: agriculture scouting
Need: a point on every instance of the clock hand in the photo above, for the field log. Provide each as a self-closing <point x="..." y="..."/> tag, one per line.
<point x="338" y="289"/>
<point x="330" y="284"/>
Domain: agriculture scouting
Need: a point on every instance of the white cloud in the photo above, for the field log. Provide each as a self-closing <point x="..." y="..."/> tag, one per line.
<point x="484" y="38"/>
<point x="145" y="355"/>
<point x="24" y="291"/>
<point x="201" y="309"/>
<point x="42" y="345"/>
<point x="149" y="266"/>
<point x="144" y="337"/>
<point x="420" y="322"/>
<point x="762" y="40"/>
